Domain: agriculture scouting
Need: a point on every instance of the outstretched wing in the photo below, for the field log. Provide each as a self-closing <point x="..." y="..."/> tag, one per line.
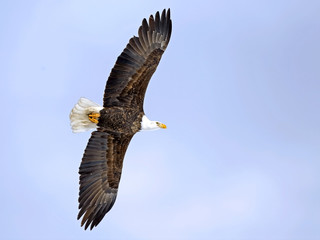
<point x="129" y="78"/>
<point x="100" y="173"/>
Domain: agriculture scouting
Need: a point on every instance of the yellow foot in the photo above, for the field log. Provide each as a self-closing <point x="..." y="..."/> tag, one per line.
<point x="93" y="117"/>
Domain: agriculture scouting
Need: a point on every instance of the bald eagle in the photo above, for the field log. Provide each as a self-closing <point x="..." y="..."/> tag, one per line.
<point x="119" y="119"/>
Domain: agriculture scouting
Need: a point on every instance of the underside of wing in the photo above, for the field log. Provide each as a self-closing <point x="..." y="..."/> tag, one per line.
<point x="100" y="173"/>
<point x="129" y="78"/>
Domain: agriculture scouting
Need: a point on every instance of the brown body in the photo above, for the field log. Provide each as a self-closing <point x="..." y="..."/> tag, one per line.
<point x="120" y="120"/>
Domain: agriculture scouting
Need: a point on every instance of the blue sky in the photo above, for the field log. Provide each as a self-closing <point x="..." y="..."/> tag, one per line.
<point x="238" y="88"/>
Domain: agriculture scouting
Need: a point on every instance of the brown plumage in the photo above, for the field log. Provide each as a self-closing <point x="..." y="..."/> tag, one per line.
<point x="120" y="118"/>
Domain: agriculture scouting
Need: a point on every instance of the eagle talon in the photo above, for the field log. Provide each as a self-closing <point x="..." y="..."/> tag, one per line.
<point x="93" y="117"/>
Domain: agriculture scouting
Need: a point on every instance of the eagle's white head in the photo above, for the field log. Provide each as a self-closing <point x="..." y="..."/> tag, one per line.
<point x="146" y="124"/>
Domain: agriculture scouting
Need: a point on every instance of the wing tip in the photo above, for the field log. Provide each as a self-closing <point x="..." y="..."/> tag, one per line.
<point x="158" y="23"/>
<point x="94" y="215"/>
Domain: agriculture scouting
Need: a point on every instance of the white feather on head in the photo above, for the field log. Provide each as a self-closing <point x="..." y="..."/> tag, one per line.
<point x="148" y="125"/>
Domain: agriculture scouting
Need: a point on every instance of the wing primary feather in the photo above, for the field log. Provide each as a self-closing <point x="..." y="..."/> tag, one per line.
<point x="100" y="213"/>
<point x="143" y="37"/>
<point x="168" y="14"/>
<point x="85" y="217"/>
<point x="169" y="32"/>
<point x="93" y="214"/>
<point x="151" y="24"/>
<point x="81" y="212"/>
<point x="163" y="21"/>
<point x="157" y="22"/>
<point x="141" y="40"/>
<point x="99" y="217"/>
<point x="145" y="25"/>
<point x="168" y="22"/>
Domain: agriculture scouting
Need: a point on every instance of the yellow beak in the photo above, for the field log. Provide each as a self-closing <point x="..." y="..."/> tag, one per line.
<point x="162" y="126"/>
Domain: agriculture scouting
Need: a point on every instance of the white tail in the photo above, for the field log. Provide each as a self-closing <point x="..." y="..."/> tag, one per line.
<point x="79" y="118"/>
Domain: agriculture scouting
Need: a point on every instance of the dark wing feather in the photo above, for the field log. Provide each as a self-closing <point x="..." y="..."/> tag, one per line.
<point x="129" y="78"/>
<point x="100" y="173"/>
